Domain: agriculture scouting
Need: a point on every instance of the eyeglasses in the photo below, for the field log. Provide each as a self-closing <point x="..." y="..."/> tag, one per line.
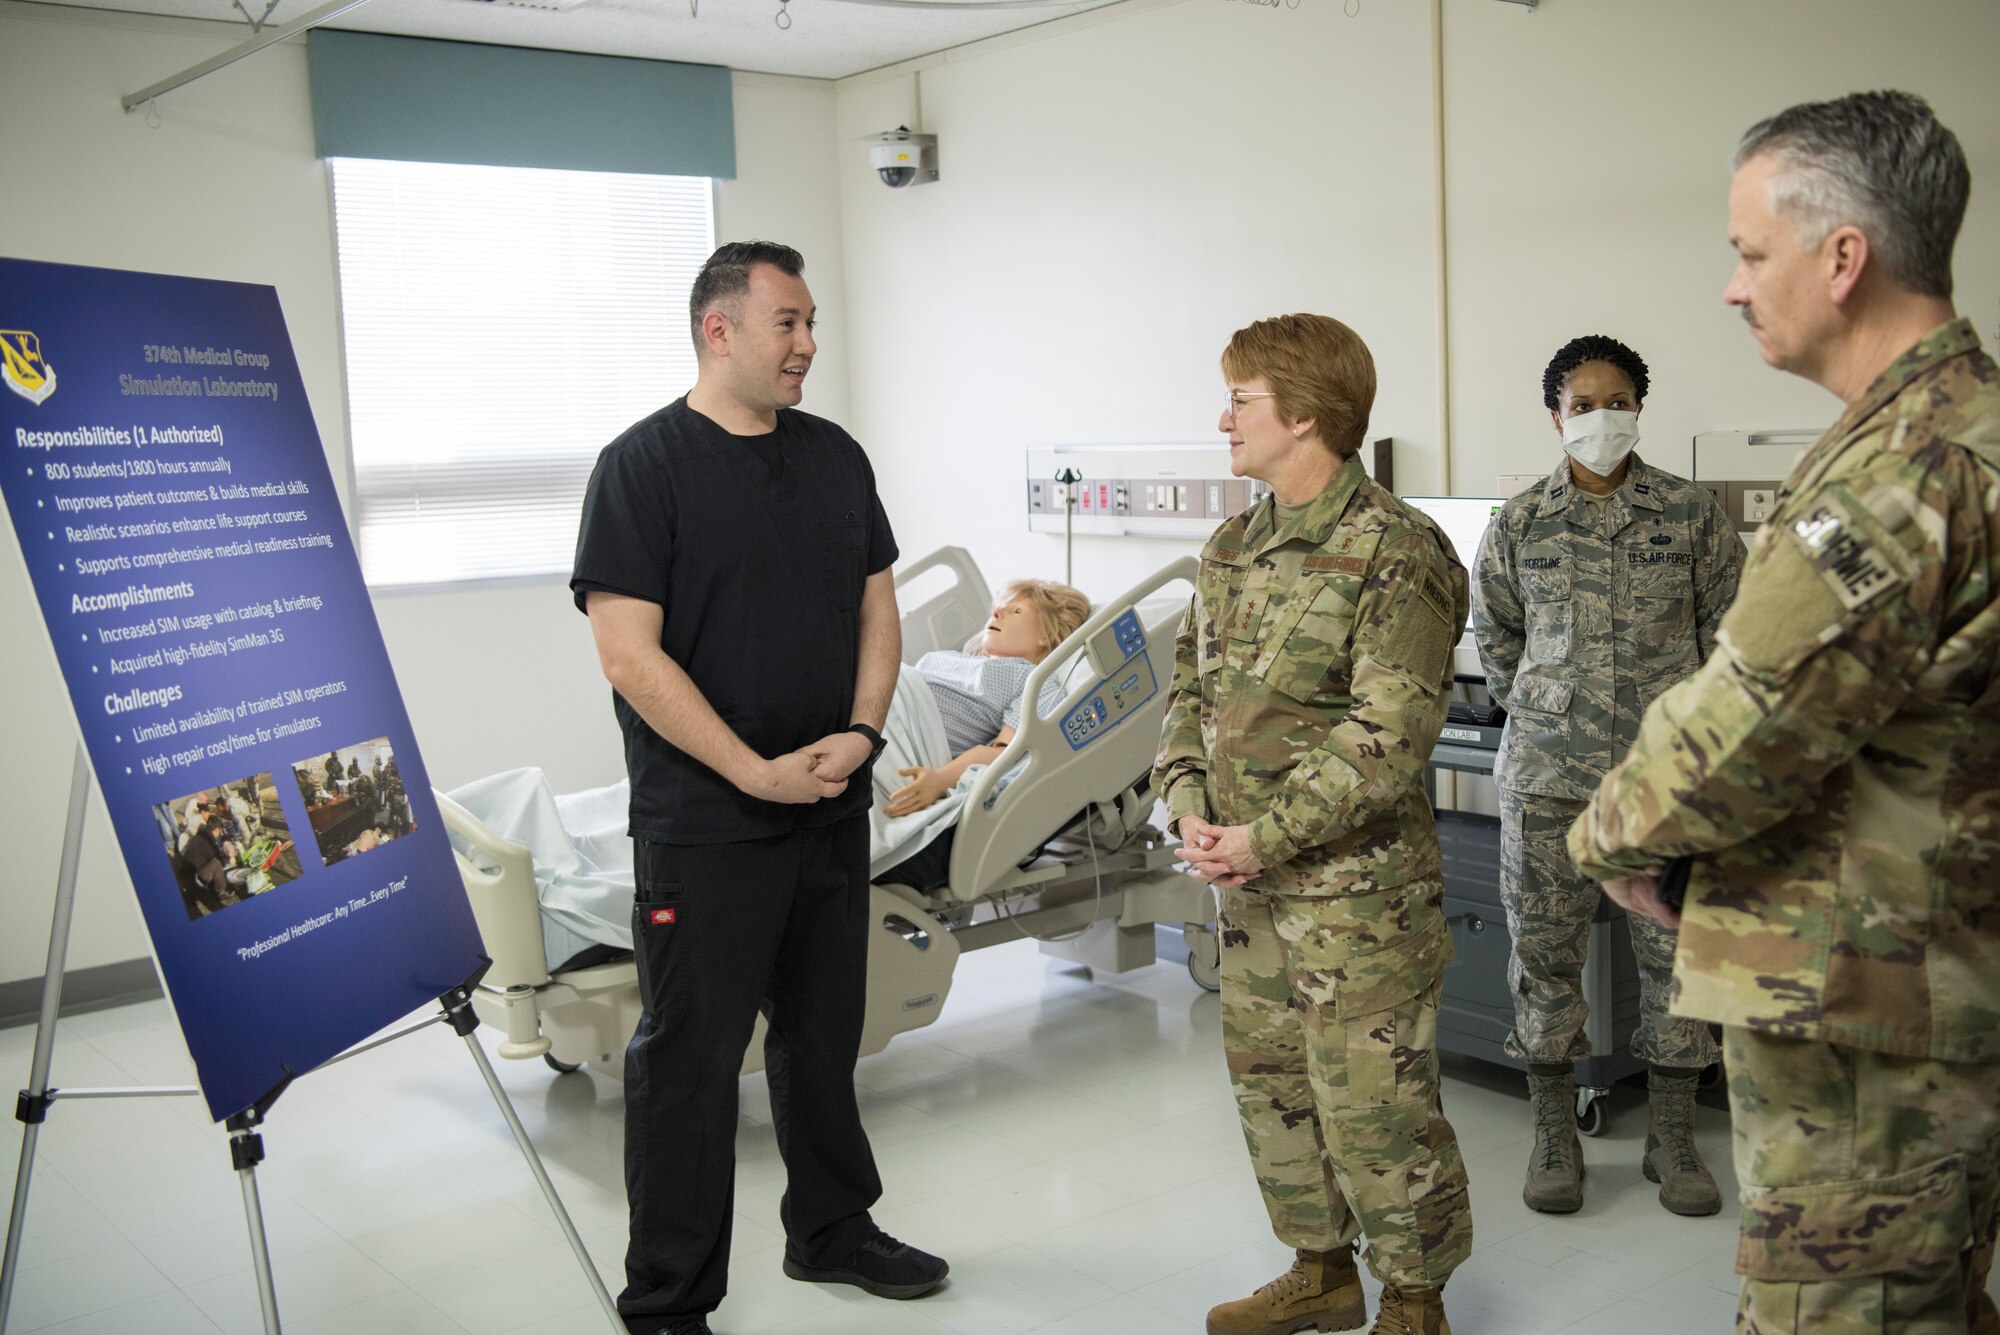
<point x="1236" y="398"/>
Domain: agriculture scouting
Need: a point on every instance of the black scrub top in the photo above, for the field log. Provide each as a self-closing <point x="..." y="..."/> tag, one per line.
<point x="756" y="549"/>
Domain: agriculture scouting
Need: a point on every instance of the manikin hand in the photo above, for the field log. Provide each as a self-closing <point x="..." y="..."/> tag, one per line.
<point x="925" y="787"/>
<point x="1217" y="853"/>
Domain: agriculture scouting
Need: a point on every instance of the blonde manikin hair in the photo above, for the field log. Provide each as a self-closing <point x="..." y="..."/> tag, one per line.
<point x="1059" y="610"/>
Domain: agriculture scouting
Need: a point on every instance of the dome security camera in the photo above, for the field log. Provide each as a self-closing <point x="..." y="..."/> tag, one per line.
<point x="896" y="164"/>
<point x="902" y="158"/>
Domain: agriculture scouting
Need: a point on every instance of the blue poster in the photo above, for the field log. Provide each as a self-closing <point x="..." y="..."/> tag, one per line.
<point x="191" y="561"/>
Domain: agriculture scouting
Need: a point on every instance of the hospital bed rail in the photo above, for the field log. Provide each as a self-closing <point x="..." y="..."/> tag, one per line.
<point x="1094" y="868"/>
<point x="950" y="617"/>
<point x="1060" y="763"/>
<point x="1054" y="841"/>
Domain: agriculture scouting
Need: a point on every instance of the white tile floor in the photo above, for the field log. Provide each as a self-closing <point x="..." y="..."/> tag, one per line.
<point x="1068" y="1143"/>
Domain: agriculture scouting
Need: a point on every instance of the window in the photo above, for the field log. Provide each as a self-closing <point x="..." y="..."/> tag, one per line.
<point x="502" y="325"/>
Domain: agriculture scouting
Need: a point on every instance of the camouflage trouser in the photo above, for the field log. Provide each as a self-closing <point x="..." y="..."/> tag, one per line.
<point x="1549" y="908"/>
<point x="1871" y="1185"/>
<point x="1341" y="1111"/>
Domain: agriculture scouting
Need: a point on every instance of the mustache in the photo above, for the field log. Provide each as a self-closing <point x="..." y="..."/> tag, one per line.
<point x="1744" y="311"/>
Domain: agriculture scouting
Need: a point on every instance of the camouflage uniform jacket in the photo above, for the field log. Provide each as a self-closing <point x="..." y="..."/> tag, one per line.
<point x="1586" y="610"/>
<point x="1311" y="678"/>
<point x="1837" y="762"/>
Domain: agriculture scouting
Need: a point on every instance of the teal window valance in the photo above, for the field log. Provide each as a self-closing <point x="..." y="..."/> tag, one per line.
<point x="412" y="99"/>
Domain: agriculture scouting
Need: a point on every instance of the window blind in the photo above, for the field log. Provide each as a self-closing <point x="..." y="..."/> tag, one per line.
<point x="501" y="326"/>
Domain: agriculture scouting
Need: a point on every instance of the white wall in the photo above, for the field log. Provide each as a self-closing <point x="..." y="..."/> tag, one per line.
<point x="1588" y="154"/>
<point x="1118" y="194"/>
<point x="228" y="187"/>
<point x="1122" y="189"/>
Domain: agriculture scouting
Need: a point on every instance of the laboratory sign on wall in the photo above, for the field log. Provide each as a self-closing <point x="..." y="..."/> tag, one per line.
<point x="190" y="559"/>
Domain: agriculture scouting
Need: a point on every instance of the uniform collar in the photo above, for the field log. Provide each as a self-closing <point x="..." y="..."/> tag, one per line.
<point x="1316" y="523"/>
<point x="1953" y="338"/>
<point x="1641" y="489"/>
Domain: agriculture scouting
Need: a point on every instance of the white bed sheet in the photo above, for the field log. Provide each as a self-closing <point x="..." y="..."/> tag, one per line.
<point x="582" y="854"/>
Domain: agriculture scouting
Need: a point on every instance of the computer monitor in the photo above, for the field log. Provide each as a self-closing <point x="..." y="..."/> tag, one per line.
<point x="1464" y="520"/>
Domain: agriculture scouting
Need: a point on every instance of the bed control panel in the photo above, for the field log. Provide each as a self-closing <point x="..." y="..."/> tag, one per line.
<point x="1126" y="681"/>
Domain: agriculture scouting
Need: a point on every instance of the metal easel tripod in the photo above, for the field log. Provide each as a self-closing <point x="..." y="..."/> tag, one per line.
<point x="246" y="1146"/>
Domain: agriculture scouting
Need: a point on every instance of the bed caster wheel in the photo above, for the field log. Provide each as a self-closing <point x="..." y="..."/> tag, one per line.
<point x="560" y="1068"/>
<point x="1592" y="1116"/>
<point x="1204" y="956"/>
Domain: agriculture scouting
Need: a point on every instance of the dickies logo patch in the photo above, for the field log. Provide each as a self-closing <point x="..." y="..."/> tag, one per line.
<point x="660" y="917"/>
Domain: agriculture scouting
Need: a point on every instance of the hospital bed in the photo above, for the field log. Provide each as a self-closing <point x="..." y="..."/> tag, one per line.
<point x="1054" y="842"/>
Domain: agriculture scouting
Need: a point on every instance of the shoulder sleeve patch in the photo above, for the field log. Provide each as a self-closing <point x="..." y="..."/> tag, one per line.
<point x="1418" y="640"/>
<point x="1857" y="560"/>
<point x="1434" y="593"/>
<point x="1824" y="573"/>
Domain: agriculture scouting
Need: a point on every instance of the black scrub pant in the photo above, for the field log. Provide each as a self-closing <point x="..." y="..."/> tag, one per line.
<point x="722" y="931"/>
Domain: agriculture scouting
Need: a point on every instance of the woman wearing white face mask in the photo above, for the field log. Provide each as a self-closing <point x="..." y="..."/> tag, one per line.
<point x="1595" y="590"/>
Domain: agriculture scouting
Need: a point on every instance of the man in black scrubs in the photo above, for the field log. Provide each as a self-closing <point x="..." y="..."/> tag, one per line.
<point x="735" y="565"/>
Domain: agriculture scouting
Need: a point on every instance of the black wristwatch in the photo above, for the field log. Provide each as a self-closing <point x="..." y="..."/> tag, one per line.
<point x="875" y="742"/>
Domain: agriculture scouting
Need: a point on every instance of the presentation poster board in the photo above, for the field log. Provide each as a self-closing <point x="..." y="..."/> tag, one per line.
<point x="191" y="562"/>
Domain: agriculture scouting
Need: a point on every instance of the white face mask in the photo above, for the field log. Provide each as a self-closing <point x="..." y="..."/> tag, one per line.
<point x="1601" y="440"/>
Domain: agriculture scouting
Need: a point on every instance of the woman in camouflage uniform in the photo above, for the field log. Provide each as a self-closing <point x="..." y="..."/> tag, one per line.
<point x="1594" y="591"/>
<point x="1310" y="682"/>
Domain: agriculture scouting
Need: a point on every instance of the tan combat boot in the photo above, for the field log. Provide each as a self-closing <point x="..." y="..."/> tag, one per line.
<point x="1555" y="1168"/>
<point x="1411" y="1312"/>
<point x="1671" y="1158"/>
<point x="1320" y="1292"/>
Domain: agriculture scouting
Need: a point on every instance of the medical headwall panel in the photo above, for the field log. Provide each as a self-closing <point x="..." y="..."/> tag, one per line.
<point x="1172" y="491"/>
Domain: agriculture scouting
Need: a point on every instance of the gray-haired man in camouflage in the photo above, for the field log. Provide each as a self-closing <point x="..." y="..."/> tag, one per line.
<point x="1310" y="683"/>
<point x="1594" y="592"/>
<point x="1833" y="771"/>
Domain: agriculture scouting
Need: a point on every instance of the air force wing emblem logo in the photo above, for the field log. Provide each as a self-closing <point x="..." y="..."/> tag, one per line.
<point x="22" y="367"/>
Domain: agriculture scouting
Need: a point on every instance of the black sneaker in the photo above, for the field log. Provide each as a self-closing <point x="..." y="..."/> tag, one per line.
<point x="881" y="1266"/>
<point x="693" y="1325"/>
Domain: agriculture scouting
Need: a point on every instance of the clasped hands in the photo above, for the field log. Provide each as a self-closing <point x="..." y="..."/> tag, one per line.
<point x="1220" y="854"/>
<point x="1641" y="894"/>
<point x="810" y="773"/>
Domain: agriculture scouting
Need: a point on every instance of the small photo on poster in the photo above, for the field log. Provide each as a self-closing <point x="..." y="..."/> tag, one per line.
<point x="355" y="799"/>
<point x="227" y="844"/>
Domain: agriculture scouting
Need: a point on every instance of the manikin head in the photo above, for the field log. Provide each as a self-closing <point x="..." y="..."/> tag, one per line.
<point x="1030" y="618"/>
